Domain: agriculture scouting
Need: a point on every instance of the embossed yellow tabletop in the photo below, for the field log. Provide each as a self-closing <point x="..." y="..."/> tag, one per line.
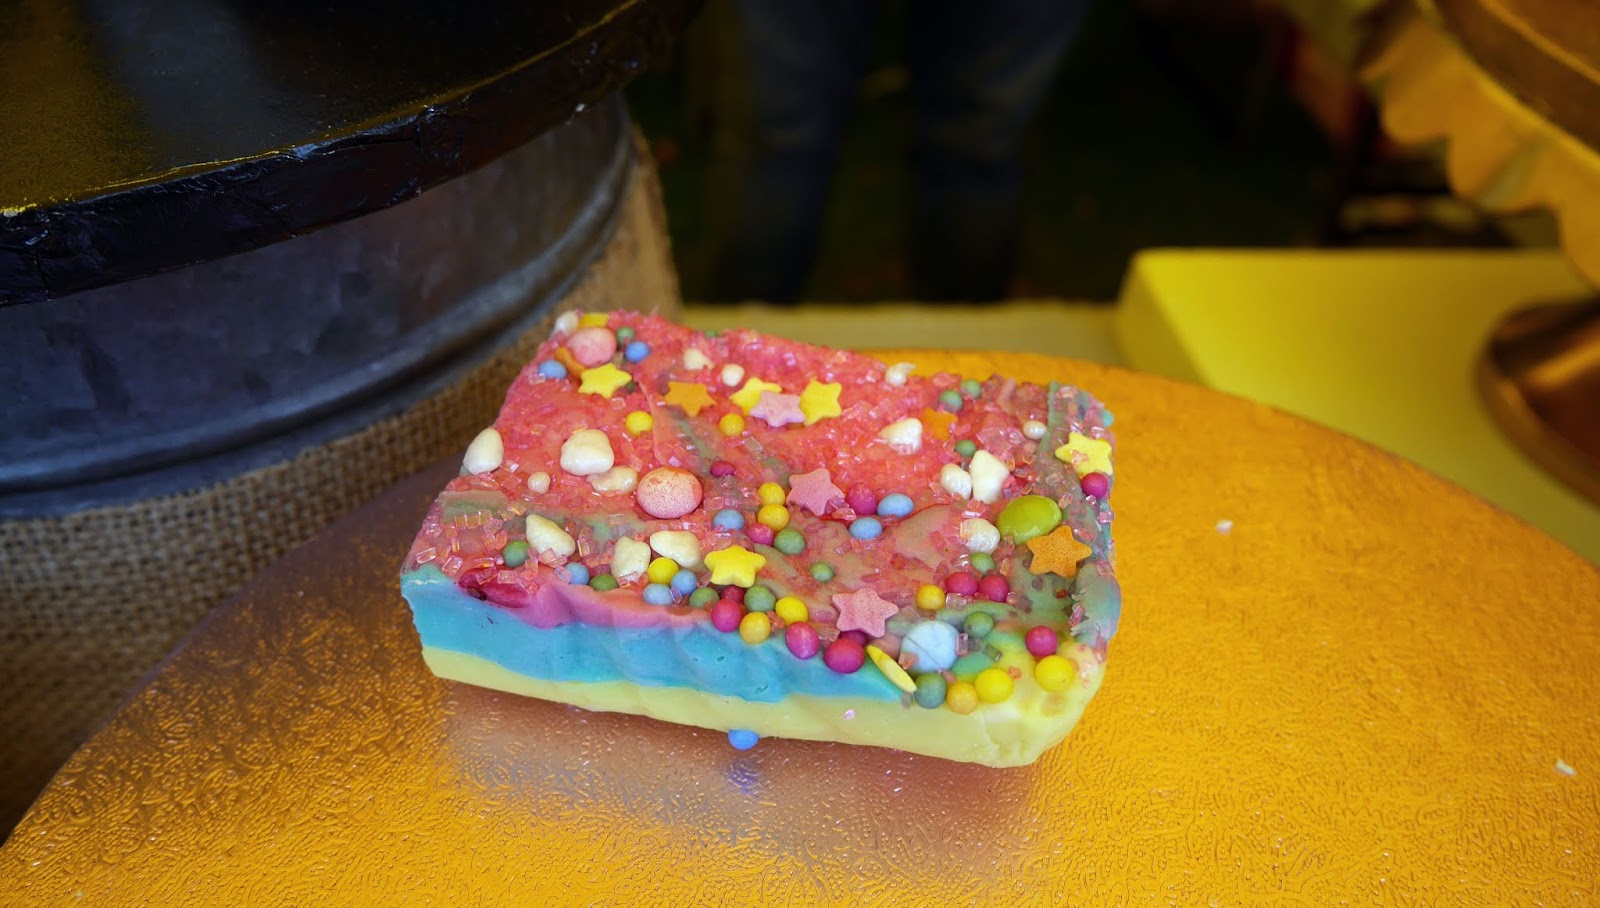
<point x="1338" y="680"/>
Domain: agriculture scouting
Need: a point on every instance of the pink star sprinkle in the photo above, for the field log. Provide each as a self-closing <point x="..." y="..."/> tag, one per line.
<point x="863" y="610"/>
<point x="778" y="409"/>
<point x="814" y="491"/>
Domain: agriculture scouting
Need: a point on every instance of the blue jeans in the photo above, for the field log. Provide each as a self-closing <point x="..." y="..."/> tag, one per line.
<point x="978" y="72"/>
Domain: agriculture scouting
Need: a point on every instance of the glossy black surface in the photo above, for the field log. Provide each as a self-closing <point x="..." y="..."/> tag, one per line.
<point x="143" y="135"/>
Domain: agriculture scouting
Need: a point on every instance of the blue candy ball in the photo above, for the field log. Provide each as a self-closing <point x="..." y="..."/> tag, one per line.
<point x="896" y="505"/>
<point x="866" y="528"/>
<point x="742" y="740"/>
<point x="658" y="594"/>
<point x="636" y="351"/>
<point x="577" y="574"/>
<point x="728" y="519"/>
<point x="684" y="582"/>
<point x="552" y="369"/>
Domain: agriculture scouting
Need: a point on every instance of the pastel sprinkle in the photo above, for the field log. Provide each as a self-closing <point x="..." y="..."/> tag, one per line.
<point x="1041" y="641"/>
<point x="994" y="588"/>
<point x="866" y="528"/>
<point x="743" y="740"/>
<point x="603" y="583"/>
<point x="658" y="594"/>
<point x="978" y="624"/>
<point x="950" y="400"/>
<point x="778" y="410"/>
<point x="603" y="380"/>
<point x="726" y="615"/>
<point x="721" y="468"/>
<point x="624" y="334"/>
<point x="972" y="388"/>
<point x="861" y="500"/>
<point x="1095" y="485"/>
<point x="728" y="519"/>
<point x="961" y="583"/>
<point x="961" y="697"/>
<point x="592" y="346"/>
<point x="933" y="643"/>
<point x="1033" y="430"/>
<point x="844" y="656"/>
<point x="684" y="582"/>
<point x="930" y="690"/>
<point x="792" y="609"/>
<point x="966" y="447"/>
<point x="690" y="397"/>
<point x="577" y="574"/>
<point x="661" y="570"/>
<point x="1053" y="673"/>
<point x="982" y="562"/>
<point x="636" y="351"/>
<point x="731" y="425"/>
<point x="994" y="685"/>
<point x="891" y="669"/>
<point x="593" y="320"/>
<point x="748" y="396"/>
<point x="802" y="640"/>
<point x="732" y="374"/>
<point x="552" y="369"/>
<point x="822" y="572"/>
<point x="789" y="541"/>
<point x="1085" y="454"/>
<point x="756" y="627"/>
<point x="896" y="505"/>
<point x="486" y="452"/>
<point x="773" y="516"/>
<point x="638" y="422"/>
<point x="930" y="598"/>
<point x="702" y="597"/>
<point x="761" y="534"/>
<point x="735" y="566"/>
<point x="820" y="401"/>
<point x="668" y="492"/>
<point x="760" y="599"/>
<point x="515" y="554"/>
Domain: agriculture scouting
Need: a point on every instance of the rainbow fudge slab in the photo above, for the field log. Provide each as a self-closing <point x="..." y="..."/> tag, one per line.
<point x="748" y="534"/>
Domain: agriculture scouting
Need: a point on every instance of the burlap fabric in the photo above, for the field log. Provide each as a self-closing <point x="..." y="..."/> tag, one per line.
<point x="91" y="601"/>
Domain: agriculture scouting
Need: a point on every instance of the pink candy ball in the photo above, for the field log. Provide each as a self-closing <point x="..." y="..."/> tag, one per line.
<point x="994" y="588"/>
<point x="760" y="533"/>
<point x="721" y="468"/>
<point x="735" y="593"/>
<point x="726" y="615"/>
<point x="860" y="637"/>
<point x="1041" y="641"/>
<point x="802" y="640"/>
<point x="861" y="500"/>
<point x="592" y="346"/>
<point x="844" y="656"/>
<point x="961" y="583"/>
<point x="1095" y="485"/>
<point x="668" y="492"/>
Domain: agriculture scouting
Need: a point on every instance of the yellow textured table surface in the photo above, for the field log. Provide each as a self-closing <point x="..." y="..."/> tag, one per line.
<point x="1365" y="692"/>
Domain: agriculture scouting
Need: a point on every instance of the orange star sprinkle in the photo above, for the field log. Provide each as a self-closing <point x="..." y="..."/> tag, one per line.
<point x="938" y="422"/>
<point x="1057" y="553"/>
<point x="690" y="396"/>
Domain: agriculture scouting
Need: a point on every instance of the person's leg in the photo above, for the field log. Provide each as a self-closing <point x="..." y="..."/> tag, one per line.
<point x="803" y="61"/>
<point x="979" y="71"/>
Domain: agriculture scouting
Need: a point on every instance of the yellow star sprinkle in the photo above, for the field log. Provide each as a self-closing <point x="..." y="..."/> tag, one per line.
<point x="593" y="320"/>
<point x="1087" y="455"/>
<point x="690" y="396"/>
<point x="820" y="401"/>
<point x="736" y="565"/>
<point x="1057" y="553"/>
<point x="603" y="380"/>
<point x="891" y="669"/>
<point x="750" y="394"/>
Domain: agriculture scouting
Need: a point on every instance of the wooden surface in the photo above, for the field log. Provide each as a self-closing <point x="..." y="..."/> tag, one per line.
<point x="1339" y="680"/>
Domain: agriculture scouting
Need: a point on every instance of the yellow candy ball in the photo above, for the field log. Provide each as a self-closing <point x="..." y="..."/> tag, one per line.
<point x="775" y="516"/>
<point x="638" y="422"/>
<point x="755" y="627"/>
<point x="791" y="610"/>
<point x="731" y="425"/>
<point x="770" y="493"/>
<point x="961" y="697"/>
<point x="1054" y="672"/>
<point x="994" y="685"/>
<point x="930" y="598"/>
<point x="661" y="570"/>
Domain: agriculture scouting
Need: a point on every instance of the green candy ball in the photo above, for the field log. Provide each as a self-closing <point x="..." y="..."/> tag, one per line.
<point x="789" y="541"/>
<point x="516" y="553"/>
<point x="760" y="599"/>
<point x="950" y="400"/>
<point x="822" y="572"/>
<point x="1027" y="517"/>
<point x="978" y="624"/>
<point x="930" y="690"/>
<point x="602" y="582"/>
<point x="972" y="388"/>
<point x="982" y="562"/>
<point x="702" y="597"/>
<point x="624" y="335"/>
<point x="966" y="447"/>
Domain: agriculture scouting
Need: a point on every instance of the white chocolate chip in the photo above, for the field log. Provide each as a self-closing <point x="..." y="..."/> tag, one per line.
<point x="566" y="323"/>
<point x="587" y="452"/>
<point x="539" y="483"/>
<point x="545" y="535"/>
<point x="629" y="559"/>
<point x="694" y="360"/>
<point x="485" y="453"/>
<point x="896" y="374"/>
<point x="988" y="475"/>
<point x="955" y="480"/>
<point x="904" y="436"/>
<point x="679" y="545"/>
<point x="980" y="535"/>
<point x="617" y="479"/>
<point x="732" y="374"/>
<point x="1034" y="429"/>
